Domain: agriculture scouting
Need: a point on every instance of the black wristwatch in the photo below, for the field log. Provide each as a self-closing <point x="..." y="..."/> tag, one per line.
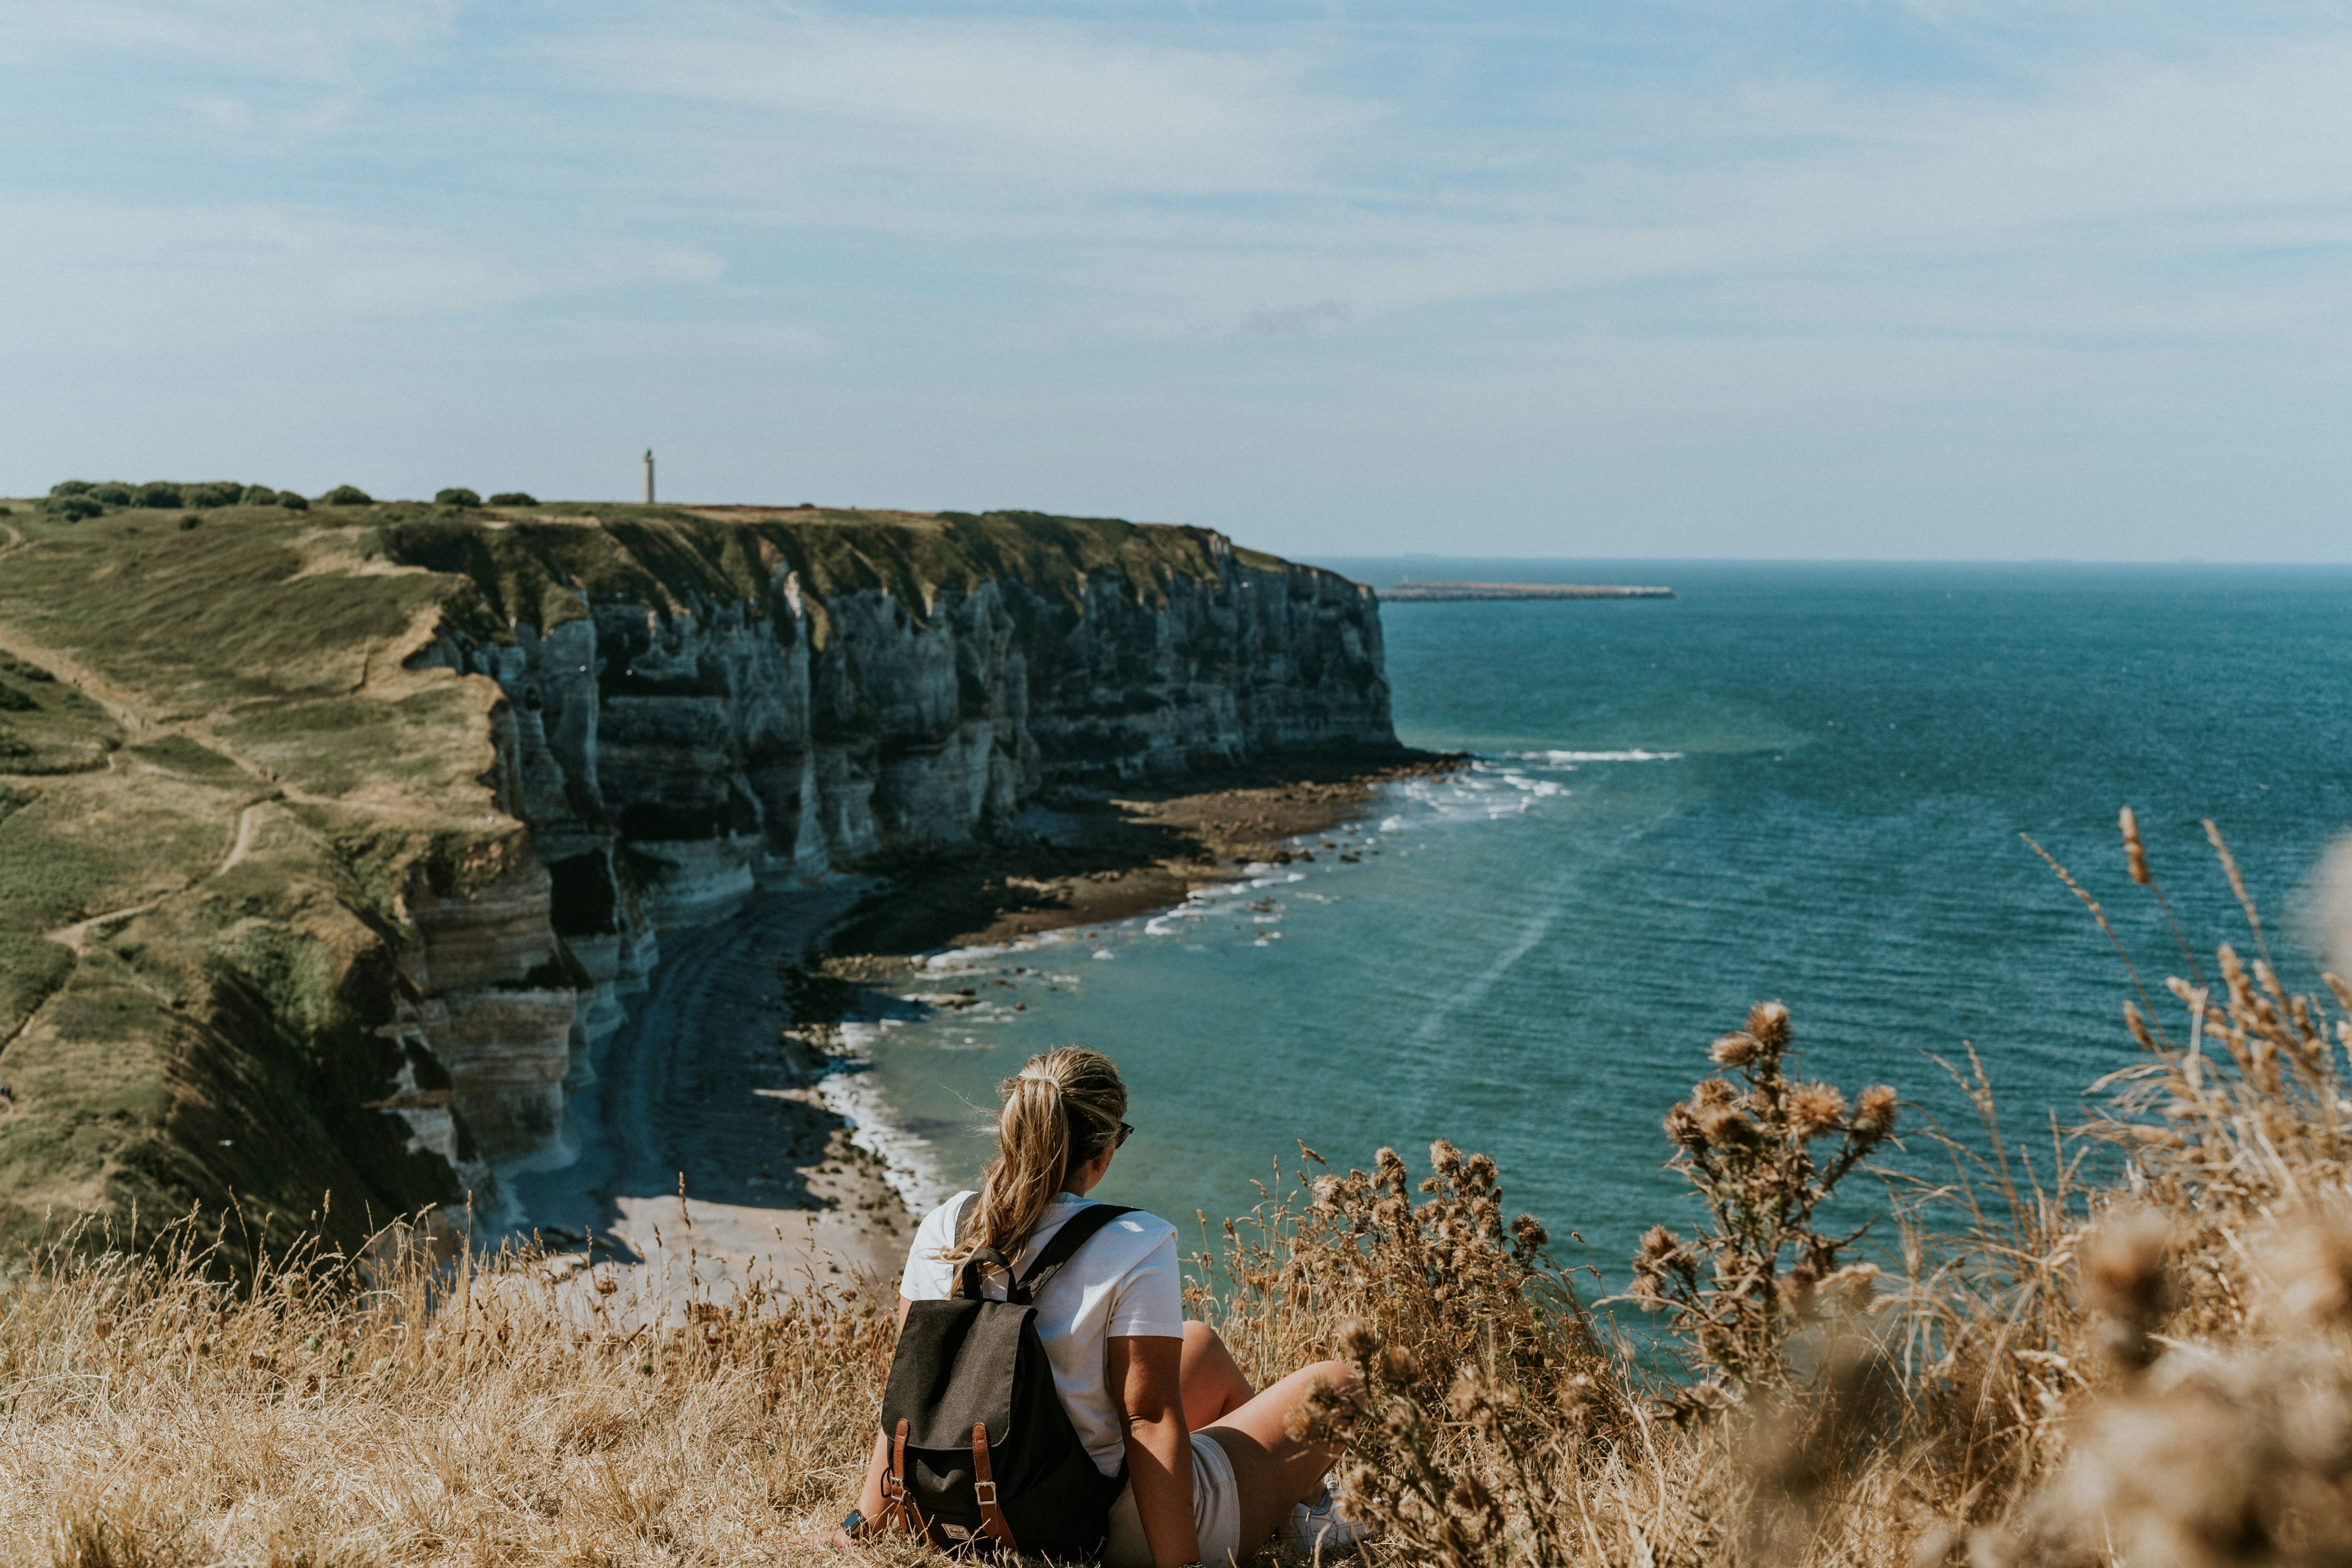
<point x="853" y="1523"/>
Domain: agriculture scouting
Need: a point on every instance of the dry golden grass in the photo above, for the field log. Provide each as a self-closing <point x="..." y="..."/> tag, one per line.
<point x="416" y="1411"/>
<point x="2154" y="1372"/>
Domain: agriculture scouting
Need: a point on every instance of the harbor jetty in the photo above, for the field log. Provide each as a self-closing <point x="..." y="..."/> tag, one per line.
<point x="1408" y="590"/>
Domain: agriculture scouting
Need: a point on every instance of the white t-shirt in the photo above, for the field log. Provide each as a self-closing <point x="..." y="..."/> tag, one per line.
<point x="1123" y="1282"/>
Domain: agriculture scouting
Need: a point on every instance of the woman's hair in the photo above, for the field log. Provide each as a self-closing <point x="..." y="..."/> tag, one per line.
<point x="1062" y="1109"/>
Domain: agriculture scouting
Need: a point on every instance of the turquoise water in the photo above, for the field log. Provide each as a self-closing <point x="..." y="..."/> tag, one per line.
<point x="1796" y="781"/>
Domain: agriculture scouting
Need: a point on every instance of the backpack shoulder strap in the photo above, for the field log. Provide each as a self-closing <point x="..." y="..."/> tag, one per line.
<point x="1075" y="1231"/>
<point x="968" y="1281"/>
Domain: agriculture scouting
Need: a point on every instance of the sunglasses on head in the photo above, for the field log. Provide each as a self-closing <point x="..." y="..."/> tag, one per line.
<point x="1125" y="1132"/>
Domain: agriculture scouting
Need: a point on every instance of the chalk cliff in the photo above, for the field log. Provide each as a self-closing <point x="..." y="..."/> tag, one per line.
<point x="695" y="705"/>
<point x="329" y="839"/>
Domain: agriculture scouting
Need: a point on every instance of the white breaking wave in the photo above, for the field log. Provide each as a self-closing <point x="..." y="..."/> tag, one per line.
<point x="1632" y="756"/>
<point x="1488" y="789"/>
<point x="908" y="1162"/>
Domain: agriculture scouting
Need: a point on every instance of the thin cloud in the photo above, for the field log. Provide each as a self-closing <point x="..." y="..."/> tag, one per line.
<point x="1016" y="105"/>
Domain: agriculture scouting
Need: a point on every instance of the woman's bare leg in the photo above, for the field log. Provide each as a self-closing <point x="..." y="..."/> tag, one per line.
<point x="1212" y="1385"/>
<point x="1272" y="1470"/>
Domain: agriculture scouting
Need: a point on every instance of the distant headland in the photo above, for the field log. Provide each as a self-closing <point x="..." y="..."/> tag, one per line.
<point x="1407" y="591"/>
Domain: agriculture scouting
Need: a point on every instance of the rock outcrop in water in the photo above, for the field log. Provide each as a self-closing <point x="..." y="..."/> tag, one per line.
<point x="708" y="732"/>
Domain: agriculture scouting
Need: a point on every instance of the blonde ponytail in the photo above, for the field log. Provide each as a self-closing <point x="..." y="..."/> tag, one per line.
<point x="1060" y="1111"/>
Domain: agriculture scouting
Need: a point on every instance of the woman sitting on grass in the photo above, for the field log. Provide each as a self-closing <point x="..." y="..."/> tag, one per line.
<point x="1212" y="1474"/>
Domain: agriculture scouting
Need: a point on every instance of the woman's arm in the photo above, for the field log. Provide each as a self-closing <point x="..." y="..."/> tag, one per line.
<point x="869" y="1496"/>
<point x="1144" y="1382"/>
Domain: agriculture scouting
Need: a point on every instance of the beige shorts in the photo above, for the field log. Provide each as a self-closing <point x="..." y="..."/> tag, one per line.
<point x="1216" y="1513"/>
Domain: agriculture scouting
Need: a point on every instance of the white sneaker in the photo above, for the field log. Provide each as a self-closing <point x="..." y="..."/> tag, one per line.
<point x="1316" y="1526"/>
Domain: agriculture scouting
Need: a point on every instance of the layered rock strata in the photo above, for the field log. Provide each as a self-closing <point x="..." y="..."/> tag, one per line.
<point x="692" y="711"/>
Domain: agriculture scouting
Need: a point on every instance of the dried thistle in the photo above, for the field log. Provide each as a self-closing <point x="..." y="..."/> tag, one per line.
<point x="1873" y="1113"/>
<point x="1724" y="1127"/>
<point x="1740" y="1287"/>
<point x="1815" y="1109"/>
<point x="2125" y="1284"/>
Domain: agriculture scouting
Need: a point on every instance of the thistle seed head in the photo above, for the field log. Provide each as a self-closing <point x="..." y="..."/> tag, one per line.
<point x="1873" y="1112"/>
<point x="1529" y="1233"/>
<point x="1359" y="1339"/>
<point x="1851" y="1287"/>
<point x="2124" y="1283"/>
<point x="1815" y="1109"/>
<point x="1445" y="1158"/>
<point x="1472" y="1507"/>
<point x="1325" y="1415"/>
<point x="1769" y="1022"/>
<point x="1713" y="1091"/>
<point x="1734" y="1051"/>
<point x="1683" y="1129"/>
<point x="1723" y="1127"/>
<point x="1399" y="1367"/>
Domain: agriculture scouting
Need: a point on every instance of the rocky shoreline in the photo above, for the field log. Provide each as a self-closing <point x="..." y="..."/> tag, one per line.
<point x="1088" y="855"/>
<point x="776" y="1183"/>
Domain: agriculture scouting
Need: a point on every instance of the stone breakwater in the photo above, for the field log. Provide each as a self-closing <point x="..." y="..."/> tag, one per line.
<point x="686" y="714"/>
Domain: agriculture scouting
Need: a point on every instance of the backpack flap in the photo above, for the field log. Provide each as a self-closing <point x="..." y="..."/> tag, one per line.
<point x="957" y="1366"/>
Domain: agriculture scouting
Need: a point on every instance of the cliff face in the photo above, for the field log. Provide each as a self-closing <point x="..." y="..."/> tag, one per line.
<point x="692" y="707"/>
<point x="329" y="840"/>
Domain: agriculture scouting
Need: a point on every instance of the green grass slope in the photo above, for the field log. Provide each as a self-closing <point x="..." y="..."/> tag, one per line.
<point x="217" y="775"/>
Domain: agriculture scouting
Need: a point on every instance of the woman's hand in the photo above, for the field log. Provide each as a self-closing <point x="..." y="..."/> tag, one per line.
<point x="836" y="1536"/>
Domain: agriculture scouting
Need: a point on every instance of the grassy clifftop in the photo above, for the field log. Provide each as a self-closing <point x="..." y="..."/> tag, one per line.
<point x="532" y="565"/>
<point x="217" y="776"/>
<point x="210" y="800"/>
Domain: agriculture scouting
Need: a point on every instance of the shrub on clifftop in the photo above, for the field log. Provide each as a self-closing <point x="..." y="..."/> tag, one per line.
<point x="347" y="495"/>
<point x="514" y="497"/>
<point x="456" y="496"/>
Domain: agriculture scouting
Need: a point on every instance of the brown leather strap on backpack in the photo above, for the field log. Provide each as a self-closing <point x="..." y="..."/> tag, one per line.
<point x="983" y="1483"/>
<point x="898" y="1503"/>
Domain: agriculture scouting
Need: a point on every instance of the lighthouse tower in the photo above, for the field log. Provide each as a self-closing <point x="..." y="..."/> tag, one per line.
<point x="649" y="476"/>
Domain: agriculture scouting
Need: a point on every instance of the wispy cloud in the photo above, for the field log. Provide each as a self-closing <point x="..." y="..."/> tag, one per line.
<point x="1653" y="228"/>
<point x="1021" y="105"/>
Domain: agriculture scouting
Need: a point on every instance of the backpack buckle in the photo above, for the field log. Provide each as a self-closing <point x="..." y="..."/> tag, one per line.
<point x="986" y="1492"/>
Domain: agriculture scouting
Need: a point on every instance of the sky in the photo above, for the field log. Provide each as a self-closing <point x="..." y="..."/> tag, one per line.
<point x="1828" y="279"/>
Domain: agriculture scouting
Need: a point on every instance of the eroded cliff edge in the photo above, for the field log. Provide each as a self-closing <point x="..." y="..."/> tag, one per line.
<point x="696" y="706"/>
<point x="520" y="743"/>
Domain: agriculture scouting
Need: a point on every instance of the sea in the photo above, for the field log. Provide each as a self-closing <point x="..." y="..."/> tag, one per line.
<point x="1814" y="782"/>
